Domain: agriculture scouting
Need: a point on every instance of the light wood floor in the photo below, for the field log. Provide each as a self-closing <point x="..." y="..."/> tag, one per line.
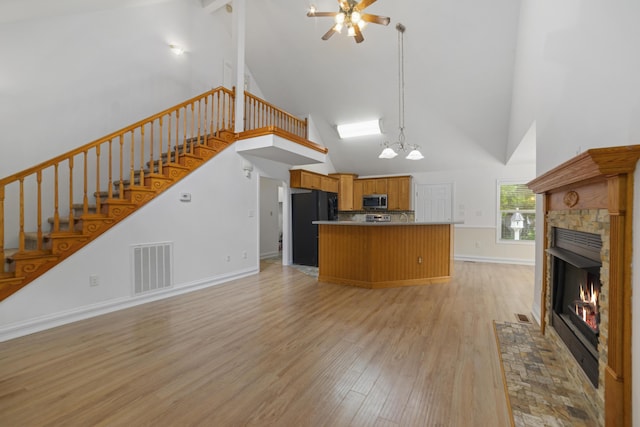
<point x="277" y="349"/>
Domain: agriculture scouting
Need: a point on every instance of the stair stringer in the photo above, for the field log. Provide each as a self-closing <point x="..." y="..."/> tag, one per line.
<point x="215" y="223"/>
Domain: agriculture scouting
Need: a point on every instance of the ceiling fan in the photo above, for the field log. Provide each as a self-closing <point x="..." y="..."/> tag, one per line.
<point x="351" y="16"/>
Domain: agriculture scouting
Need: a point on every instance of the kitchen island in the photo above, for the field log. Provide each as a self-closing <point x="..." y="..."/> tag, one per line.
<point x="385" y="254"/>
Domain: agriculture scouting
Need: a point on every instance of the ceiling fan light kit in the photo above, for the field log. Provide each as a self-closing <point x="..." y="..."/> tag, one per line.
<point x="350" y="15"/>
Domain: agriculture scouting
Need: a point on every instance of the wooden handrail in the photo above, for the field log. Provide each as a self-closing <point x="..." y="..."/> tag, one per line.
<point x="80" y="150"/>
<point x="260" y="114"/>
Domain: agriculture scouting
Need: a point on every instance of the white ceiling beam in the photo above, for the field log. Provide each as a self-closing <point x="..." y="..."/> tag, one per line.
<point x="211" y="6"/>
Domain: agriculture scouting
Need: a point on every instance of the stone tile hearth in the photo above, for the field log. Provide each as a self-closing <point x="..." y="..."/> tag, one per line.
<point x="539" y="387"/>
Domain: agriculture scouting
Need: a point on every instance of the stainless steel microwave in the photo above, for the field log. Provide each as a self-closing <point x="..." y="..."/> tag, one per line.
<point x="374" y="201"/>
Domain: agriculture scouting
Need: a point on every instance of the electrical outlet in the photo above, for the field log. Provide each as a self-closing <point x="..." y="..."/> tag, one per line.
<point x="228" y="258"/>
<point x="93" y="280"/>
<point x="244" y="254"/>
<point x="477" y="244"/>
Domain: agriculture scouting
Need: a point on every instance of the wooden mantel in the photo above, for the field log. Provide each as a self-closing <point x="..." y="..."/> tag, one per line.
<point x="593" y="164"/>
<point x="602" y="178"/>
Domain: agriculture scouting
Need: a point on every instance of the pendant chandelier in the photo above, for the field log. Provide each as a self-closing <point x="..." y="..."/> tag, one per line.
<point x="391" y="149"/>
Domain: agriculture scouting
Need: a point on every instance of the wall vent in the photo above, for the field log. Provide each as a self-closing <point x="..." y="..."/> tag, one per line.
<point x="152" y="267"/>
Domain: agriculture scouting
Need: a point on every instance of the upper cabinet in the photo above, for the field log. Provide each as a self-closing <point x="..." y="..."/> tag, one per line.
<point x="358" y="192"/>
<point x="300" y="178"/>
<point x="397" y="189"/>
<point x="345" y="190"/>
<point x="350" y="189"/>
<point x="374" y="185"/>
<point x="399" y="193"/>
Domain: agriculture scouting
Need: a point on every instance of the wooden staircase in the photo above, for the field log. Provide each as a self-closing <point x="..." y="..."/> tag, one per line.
<point x="66" y="235"/>
<point x="88" y="190"/>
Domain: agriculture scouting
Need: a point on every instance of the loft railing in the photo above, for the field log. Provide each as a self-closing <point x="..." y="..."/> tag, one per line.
<point x="259" y="114"/>
<point x="127" y="155"/>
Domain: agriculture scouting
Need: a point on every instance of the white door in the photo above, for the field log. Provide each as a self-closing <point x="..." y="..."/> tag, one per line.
<point x="434" y="202"/>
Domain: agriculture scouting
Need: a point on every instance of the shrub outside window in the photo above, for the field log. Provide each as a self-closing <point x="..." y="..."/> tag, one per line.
<point x="517" y="212"/>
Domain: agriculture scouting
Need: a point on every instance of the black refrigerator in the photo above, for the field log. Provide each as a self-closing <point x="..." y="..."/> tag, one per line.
<point x="307" y="207"/>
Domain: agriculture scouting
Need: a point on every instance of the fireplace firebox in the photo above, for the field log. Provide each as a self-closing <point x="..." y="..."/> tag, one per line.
<point x="576" y="283"/>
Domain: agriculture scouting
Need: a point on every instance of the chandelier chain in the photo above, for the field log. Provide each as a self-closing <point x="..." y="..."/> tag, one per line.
<point x="400" y="29"/>
<point x="388" y="152"/>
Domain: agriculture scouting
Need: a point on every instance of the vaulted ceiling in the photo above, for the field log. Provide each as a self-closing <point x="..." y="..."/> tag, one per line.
<point x="459" y="64"/>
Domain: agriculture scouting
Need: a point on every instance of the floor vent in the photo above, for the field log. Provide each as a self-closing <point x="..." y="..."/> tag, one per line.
<point x="152" y="267"/>
<point x="522" y="318"/>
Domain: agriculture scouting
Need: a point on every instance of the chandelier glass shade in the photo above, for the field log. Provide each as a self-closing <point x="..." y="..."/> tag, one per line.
<point x="391" y="149"/>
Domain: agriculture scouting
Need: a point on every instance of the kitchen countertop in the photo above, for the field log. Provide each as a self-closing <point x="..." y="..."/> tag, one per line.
<point x="384" y="224"/>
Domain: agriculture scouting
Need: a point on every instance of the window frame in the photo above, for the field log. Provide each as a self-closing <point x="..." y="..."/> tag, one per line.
<point x="499" y="239"/>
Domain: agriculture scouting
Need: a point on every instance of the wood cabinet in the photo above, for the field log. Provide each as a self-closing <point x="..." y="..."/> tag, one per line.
<point x="350" y="189"/>
<point x="345" y="190"/>
<point x="358" y="191"/>
<point x="329" y="184"/>
<point x="374" y="186"/>
<point x="399" y="193"/>
<point x="300" y="178"/>
<point x="397" y="189"/>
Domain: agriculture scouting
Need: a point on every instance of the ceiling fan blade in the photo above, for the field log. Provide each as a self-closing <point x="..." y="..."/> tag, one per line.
<point x="328" y="34"/>
<point x="312" y="14"/>
<point x="364" y="4"/>
<point x="358" y="37"/>
<point x="376" y="19"/>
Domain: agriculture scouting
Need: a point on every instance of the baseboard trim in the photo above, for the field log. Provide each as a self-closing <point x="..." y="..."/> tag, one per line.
<point x="268" y="255"/>
<point x="43" y="323"/>
<point x="493" y="260"/>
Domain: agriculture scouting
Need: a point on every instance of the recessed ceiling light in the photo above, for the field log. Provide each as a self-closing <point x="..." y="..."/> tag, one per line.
<point x="352" y="130"/>
<point x="176" y="49"/>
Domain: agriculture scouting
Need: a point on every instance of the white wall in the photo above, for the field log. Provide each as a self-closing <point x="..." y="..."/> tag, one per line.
<point x="313" y="135"/>
<point x="523" y="105"/>
<point x="587" y="65"/>
<point x="219" y="222"/>
<point x="67" y="80"/>
<point x="475" y="203"/>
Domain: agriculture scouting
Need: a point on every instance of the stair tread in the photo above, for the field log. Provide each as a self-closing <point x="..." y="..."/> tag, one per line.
<point x="33" y="253"/>
<point x="10" y="252"/>
<point x="32" y="234"/>
<point x="81" y="206"/>
<point x="9" y="276"/>
<point x="61" y="220"/>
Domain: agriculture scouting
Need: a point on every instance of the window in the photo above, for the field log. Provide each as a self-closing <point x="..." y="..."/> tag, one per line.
<point x="517" y="212"/>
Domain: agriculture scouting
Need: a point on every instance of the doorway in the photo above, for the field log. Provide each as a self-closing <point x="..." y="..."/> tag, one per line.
<point x="271" y="218"/>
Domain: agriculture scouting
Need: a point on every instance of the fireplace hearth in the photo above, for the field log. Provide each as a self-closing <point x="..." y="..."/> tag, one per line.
<point x="576" y="286"/>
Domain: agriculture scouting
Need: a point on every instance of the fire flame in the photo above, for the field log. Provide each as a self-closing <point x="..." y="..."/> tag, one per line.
<point x="587" y="306"/>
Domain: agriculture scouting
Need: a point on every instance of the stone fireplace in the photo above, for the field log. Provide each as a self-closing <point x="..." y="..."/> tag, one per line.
<point x="591" y="197"/>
